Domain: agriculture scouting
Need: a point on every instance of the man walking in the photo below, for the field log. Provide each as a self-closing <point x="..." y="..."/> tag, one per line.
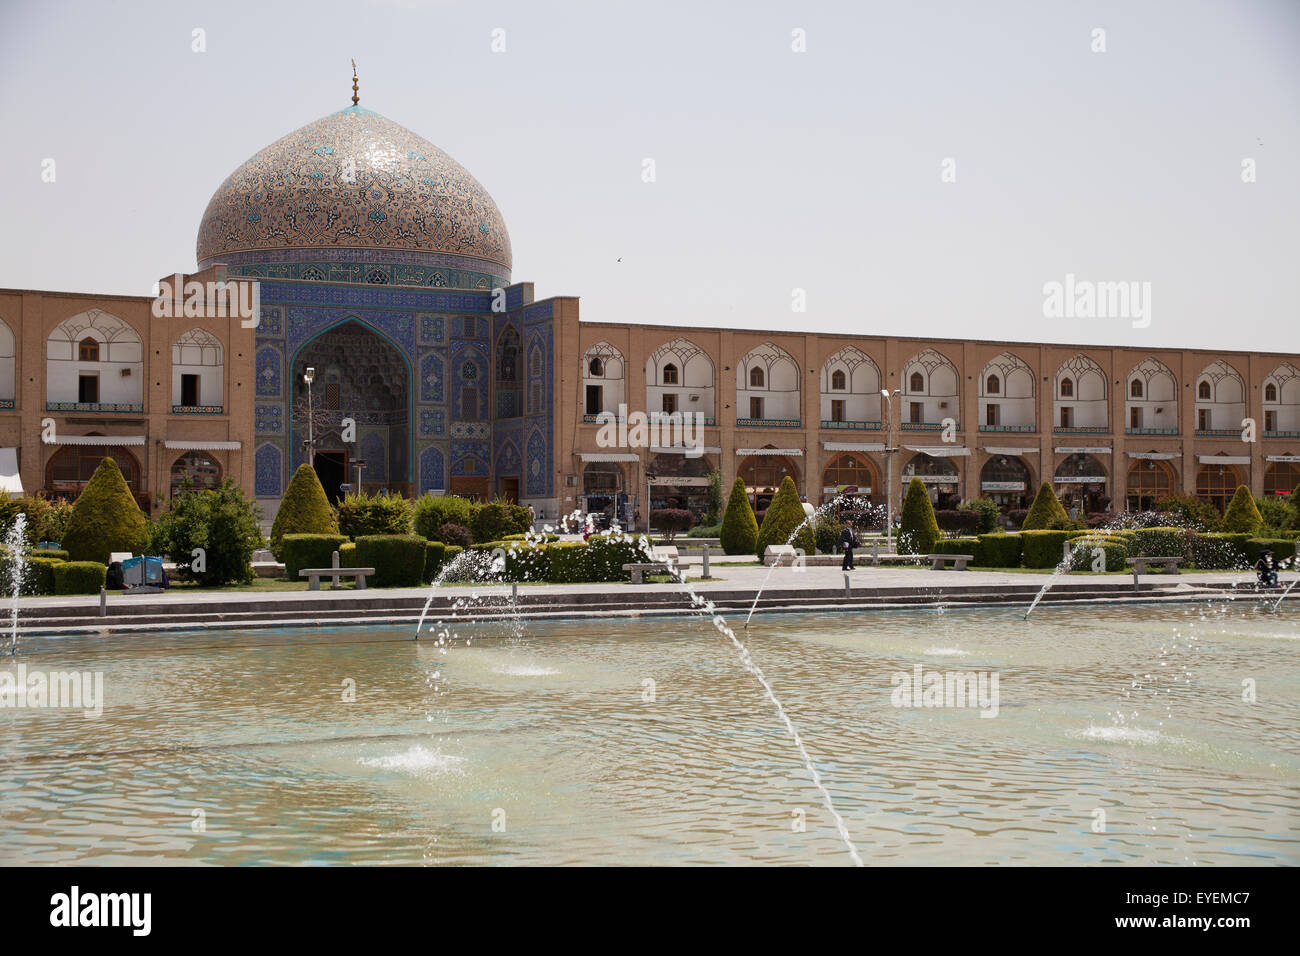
<point x="849" y="541"/>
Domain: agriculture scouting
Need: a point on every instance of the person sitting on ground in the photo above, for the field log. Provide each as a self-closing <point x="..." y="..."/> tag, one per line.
<point x="849" y="541"/>
<point x="1266" y="567"/>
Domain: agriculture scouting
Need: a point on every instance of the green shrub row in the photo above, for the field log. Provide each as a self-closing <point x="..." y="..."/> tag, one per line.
<point x="310" y="551"/>
<point x="398" y="559"/>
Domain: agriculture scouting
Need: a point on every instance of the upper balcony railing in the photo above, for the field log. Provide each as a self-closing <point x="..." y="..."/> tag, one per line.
<point x="857" y="425"/>
<point x="1217" y="432"/>
<point x="1150" y="431"/>
<point x="768" y="423"/>
<point x="1268" y="433"/>
<point x="926" y="426"/>
<point x="198" y="409"/>
<point x="94" y="407"/>
<point x="1081" y="429"/>
<point x="1008" y="428"/>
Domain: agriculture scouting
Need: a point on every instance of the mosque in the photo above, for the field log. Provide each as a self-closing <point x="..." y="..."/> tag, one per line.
<point x="384" y="276"/>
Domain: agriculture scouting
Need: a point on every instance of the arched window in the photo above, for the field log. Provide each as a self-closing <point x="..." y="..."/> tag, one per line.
<point x="1067" y="388"/>
<point x="916" y="383"/>
<point x="1203" y="391"/>
<point x="670" y="374"/>
<point x="194" y="471"/>
<point x="87" y="350"/>
<point x="596" y="367"/>
<point x="1135" y="388"/>
<point x="1149" y="480"/>
<point x="837" y="380"/>
<point x="993" y="385"/>
<point x="1280" y="478"/>
<point x="755" y="378"/>
<point x="1270" y="392"/>
<point x="1217" y="484"/>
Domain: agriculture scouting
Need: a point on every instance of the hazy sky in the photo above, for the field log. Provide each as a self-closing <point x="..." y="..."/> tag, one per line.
<point x="775" y="170"/>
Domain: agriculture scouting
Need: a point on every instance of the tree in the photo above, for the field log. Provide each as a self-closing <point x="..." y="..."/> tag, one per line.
<point x="713" y="510"/>
<point x="224" y="524"/>
<point x="784" y="514"/>
<point x="105" y="518"/>
<point x="304" y="509"/>
<point x="1046" y="512"/>
<point x="739" y="526"/>
<point x="1242" y="516"/>
<point x="918" y="532"/>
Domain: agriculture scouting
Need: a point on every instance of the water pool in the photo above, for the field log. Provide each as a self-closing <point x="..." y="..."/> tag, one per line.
<point x="547" y="743"/>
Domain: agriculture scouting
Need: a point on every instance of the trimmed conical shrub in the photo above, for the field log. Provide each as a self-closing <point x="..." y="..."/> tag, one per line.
<point x="1242" y="516"/>
<point x="1046" y="512"/>
<point x="105" y="518"/>
<point x="739" y="526"/>
<point x="784" y="514"/>
<point x="918" y="531"/>
<point x="304" y="509"/>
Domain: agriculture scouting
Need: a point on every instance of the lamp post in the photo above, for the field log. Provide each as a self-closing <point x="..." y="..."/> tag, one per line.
<point x="307" y="377"/>
<point x="889" y="462"/>
<point x="650" y="476"/>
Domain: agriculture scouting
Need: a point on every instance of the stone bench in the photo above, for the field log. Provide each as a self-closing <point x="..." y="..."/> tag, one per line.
<point x="878" y="559"/>
<point x="313" y="575"/>
<point x="640" y="569"/>
<point x="958" y="561"/>
<point x="1140" y="566"/>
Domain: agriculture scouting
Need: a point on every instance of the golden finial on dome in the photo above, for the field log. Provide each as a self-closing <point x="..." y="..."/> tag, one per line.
<point x="355" y="98"/>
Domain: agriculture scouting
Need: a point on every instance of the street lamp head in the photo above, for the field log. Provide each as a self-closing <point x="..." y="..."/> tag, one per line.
<point x="309" y="375"/>
<point x="884" y="392"/>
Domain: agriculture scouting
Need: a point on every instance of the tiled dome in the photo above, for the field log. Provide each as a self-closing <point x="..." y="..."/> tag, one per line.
<point x="354" y="180"/>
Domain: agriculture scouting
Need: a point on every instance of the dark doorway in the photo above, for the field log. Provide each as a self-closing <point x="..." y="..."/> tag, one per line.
<point x="510" y="489"/>
<point x="331" y="469"/>
<point x="189" y="390"/>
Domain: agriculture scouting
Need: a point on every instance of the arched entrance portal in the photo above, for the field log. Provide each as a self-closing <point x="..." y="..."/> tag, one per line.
<point x="1006" y="479"/>
<point x="1149" y="480"/>
<point x="763" y="474"/>
<point x="940" y="477"/>
<point x="680" y="482"/>
<point x="1282" y="477"/>
<point x="69" y="468"/>
<point x="1080" y="483"/>
<point x="194" y="471"/>
<point x="1217" y="484"/>
<point x="359" y="375"/>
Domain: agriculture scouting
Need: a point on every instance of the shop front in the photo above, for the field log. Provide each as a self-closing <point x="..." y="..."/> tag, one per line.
<point x="1080" y="483"/>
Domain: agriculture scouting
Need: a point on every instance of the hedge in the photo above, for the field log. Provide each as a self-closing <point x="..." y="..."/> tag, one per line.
<point x="311" y="551"/>
<point x="434" y="511"/>
<point x="490" y="522"/>
<point x="917" y="529"/>
<point x="80" y="577"/>
<point x="828" y="533"/>
<point x="40" y="574"/>
<point x="348" y="554"/>
<point x="1045" y="549"/>
<point x="998" y="550"/>
<point x="958" y="520"/>
<point x="1083" y="552"/>
<point x="520" y="562"/>
<point x="1160" y="543"/>
<point x="360" y="514"/>
<point x="304" y="509"/>
<point x="956" y="546"/>
<point x="739" y="534"/>
<point x="57" y="554"/>
<point x="435" y="556"/>
<point x="784" y="515"/>
<point x="1282" y="548"/>
<point x="398" y="559"/>
<point x="105" y="518"/>
<point x="1219" y="551"/>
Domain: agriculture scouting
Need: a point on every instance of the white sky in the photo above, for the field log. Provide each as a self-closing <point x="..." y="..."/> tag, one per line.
<point x="775" y="170"/>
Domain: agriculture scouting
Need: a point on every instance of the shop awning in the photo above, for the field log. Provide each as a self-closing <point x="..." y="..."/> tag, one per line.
<point x="746" y="452"/>
<point x="1025" y="450"/>
<point x="1155" y="455"/>
<point x="101" y="440"/>
<point x="1282" y="458"/>
<point x="1223" y="459"/>
<point x="940" y="451"/>
<point x="608" y="456"/>
<point x="203" y="445"/>
<point x="1081" y="450"/>
<point x="853" y="445"/>
<point x="10" y="482"/>
<point x="683" y="450"/>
